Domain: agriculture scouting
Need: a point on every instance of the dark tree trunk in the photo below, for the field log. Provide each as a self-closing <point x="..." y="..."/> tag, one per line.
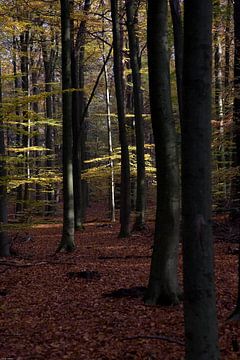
<point x="125" y="167"/>
<point x="4" y="241"/>
<point x="78" y="55"/>
<point x="175" y="6"/>
<point x="227" y="55"/>
<point x="67" y="241"/>
<point x="163" y="282"/>
<point x="236" y="120"/>
<point x="131" y="9"/>
<point x="199" y="291"/>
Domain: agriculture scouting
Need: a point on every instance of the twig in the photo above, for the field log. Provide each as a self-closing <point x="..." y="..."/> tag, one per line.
<point x="35" y="264"/>
<point x="156" y="337"/>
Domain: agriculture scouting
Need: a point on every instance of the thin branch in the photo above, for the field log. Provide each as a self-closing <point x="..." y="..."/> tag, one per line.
<point x="96" y="85"/>
<point x="156" y="337"/>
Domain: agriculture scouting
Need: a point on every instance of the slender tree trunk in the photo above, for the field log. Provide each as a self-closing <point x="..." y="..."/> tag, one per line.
<point x="83" y="124"/>
<point x="76" y="142"/>
<point x="67" y="241"/>
<point x="37" y="142"/>
<point x="175" y="6"/>
<point x="110" y="146"/>
<point x="125" y="204"/>
<point x="49" y="64"/>
<point x="17" y="87"/>
<point x="199" y="292"/>
<point x="218" y="60"/>
<point x="227" y="58"/>
<point x="24" y="41"/>
<point x="131" y="9"/>
<point x="163" y="282"/>
<point x="112" y="205"/>
<point x="4" y="241"/>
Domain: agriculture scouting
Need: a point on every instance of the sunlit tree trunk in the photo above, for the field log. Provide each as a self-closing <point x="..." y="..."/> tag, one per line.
<point x="67" y="242"/>
<point x="110" y="145"/>
<point x="125" y="167"/>
<point x="4" y="241"/>
<point x="163" y="282"/>
<point x="199" y="290"/>
<point x="218" y="65"/>
<point x="131" y="10"/>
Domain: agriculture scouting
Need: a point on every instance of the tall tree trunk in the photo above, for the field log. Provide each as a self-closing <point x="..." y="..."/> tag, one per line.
<point x="131" y="9"/>
<point x="236" y="120"/>
<point x="110" y="145"/>
<point x="78" y="55"/>
<point x="49" y="59"/>
<point x="227" y="58"/>
<point x="112" y="205"/>
<point x="125" y="167"/>
<point x="24" y="42"/>
<point x="199" y="292"/>
<point x="175" y="6"/>
<point x="218" y="60"/>
<point x="67" y="241"/>
<point x="4" y="241"/>
<point x="37" y="142"/>
<point x="17" y="87"/>
<point x="163" y="282"/>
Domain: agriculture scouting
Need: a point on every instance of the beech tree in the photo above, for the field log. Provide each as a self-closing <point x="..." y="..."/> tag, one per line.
<point x="125" y="167"/>
<point x="78" y="103"/>
<point x="4" y="242"/>
<point x="199" y="291"/>
<point x="67" y="241"/>
<point x="175" y="6"/>
<point x="131" y="11"/>
<point x="163" y="281"/>
<point x="236" y="119"/>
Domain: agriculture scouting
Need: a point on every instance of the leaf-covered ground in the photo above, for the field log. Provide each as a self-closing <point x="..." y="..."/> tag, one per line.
<point x="47" y="311"/>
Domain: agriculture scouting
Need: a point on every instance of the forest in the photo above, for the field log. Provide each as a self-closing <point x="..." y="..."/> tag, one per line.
<point x="119" y="179"/>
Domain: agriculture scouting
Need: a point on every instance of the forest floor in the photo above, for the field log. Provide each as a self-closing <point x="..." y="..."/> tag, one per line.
<point x="47" y="311"/>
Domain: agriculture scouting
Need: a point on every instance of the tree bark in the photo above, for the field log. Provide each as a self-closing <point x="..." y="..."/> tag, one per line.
<point x="236" y="120"/>
<point x="125" y="167"/>
<point x="24" y="42"/>
<point x="37" y="141"/>
<point x="199" y="291"/>
<point x="78" y="57"/>
<point x="175" y="6"/>
<point x="131" y="11"/>
<point x="4" y="241"/>
<point x="17" y="87"/>
<point x="163" y="282"/>
<point x="49" y="60"/>
<point x="67" y="241"/>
